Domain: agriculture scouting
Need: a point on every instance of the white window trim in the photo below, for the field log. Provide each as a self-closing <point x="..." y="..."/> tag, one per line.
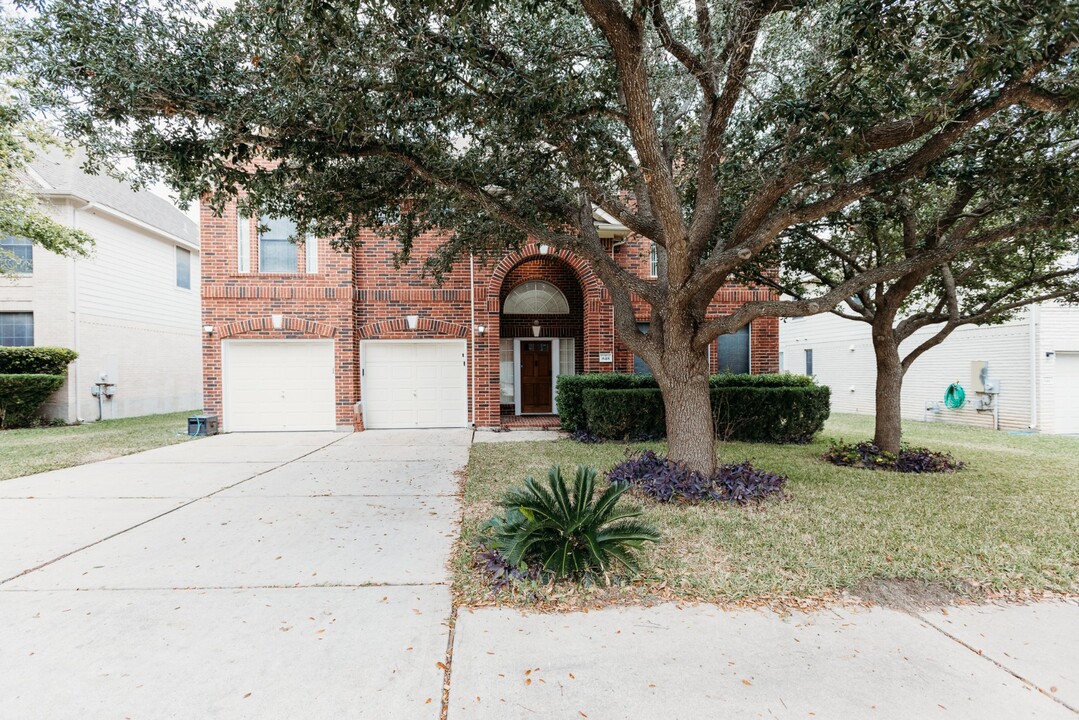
<point x="653" y="259"/>
<point x="310" y="254"/>
<point x="243" y="243"/>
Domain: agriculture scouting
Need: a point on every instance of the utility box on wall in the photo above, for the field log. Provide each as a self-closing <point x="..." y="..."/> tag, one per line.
<point x="979" y="375"/>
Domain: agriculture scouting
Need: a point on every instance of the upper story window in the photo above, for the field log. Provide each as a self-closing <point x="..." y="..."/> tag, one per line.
<point x="653" y="260"/>
<point x="16" y="329"/>
<point x="16" y="255"/>
<point x="183" y="268"/>
<point x="277" y="253"/>
<point x="243" y="243"/>
<point x="535" y="297"/>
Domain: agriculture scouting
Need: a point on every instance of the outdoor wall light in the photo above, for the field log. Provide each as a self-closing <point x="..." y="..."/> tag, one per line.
<point x="544" y="249"/>
<point x="278" y="321"/>
<point x="412" y="321"/>
<point x="536" y="328"/>
<point x="481" y="329"/>
<point x="208" y="329"/>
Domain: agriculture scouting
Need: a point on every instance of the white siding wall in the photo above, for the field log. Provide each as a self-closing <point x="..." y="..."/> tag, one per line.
<point x="1059" y="332"/>
<point x="843" y="360"/>
<point x="134" y="323"/>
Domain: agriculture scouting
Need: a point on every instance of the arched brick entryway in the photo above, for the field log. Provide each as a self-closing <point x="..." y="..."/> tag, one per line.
<point x="588" y="323"/>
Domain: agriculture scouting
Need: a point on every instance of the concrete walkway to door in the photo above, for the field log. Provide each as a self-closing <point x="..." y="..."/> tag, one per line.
<point x="285" y="575"/>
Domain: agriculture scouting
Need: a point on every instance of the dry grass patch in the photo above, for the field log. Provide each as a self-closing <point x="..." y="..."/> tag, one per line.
<point x="34" y="450"/>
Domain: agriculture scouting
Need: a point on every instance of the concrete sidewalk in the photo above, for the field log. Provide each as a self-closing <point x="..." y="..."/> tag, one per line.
<point x="286" y="575"/>
<point x="676" y="662"/>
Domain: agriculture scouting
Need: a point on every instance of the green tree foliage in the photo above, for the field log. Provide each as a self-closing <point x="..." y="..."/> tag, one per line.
<point x="20" y="214"/>
<point x="1001" y="218"/>
<point x="712" y="128"/>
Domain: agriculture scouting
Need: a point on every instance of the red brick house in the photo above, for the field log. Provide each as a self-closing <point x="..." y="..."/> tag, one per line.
<point x="309" y="338"/>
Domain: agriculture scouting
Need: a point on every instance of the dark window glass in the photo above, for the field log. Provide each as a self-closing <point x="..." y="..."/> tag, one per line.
<point x="732" y="350"/>
<point x="183" y="268"/>
<point x="277" y="254"/>
<point x="809" y="362"/>
<point x="16" y="255"/>
<point x="640" y="367"/>
<point x="17" y="329"/>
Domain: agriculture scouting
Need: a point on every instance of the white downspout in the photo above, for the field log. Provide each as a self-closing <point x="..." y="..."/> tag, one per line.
<point x="75" y="333"/>
<point x="1035" y="318"/>
<point x="472" y="323"/>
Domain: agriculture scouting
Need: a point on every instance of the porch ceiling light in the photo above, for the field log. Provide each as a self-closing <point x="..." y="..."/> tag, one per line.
<point x="536" y="329"/>
<point x="412" y="321"/>
<point x="278" y="321"/>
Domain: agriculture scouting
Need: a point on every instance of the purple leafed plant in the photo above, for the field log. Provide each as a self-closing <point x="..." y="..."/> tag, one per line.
<point x="586" y="437"/>
<point x="661" y="479"/>
<point x="500" y="573"/>
<point x="909" y="460"/>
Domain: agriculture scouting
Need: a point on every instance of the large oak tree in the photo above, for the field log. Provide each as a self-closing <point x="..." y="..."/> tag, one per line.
<point x="710" y="127"/>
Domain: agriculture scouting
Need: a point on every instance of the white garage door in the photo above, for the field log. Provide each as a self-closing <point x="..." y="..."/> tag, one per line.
<point x="1067" y="392"/>
<point x="418" y="384"/>
<point x="278" y="385"/>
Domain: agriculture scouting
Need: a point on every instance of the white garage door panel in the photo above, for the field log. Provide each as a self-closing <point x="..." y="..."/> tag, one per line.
<point x="1067" y="392"/>
<point x="414" y="384"/>
<point x="279" y="385"/>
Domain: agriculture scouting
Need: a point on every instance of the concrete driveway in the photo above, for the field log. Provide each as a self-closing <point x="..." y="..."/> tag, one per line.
<point x="305" y="576"/>
<point x="285" y="575"/>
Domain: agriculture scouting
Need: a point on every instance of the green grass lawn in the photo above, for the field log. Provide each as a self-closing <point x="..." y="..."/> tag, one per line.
<point x="1008" y="523"/>
<point x="23" y="452"/>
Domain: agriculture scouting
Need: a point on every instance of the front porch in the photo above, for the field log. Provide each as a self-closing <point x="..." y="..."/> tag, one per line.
<point x="510" y="421"/>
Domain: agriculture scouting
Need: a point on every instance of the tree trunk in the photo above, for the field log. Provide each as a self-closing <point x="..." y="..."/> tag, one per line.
<point x="691" y="437"/>
<point x="889" y="418"/>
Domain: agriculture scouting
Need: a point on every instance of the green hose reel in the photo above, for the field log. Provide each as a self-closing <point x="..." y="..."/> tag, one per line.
<point x="954" y="396"/>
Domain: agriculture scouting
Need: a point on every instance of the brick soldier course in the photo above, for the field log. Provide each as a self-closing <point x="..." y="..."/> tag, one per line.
<point x="359" y="295"/>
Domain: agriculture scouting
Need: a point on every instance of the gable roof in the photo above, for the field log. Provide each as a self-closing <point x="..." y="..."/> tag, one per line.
<point x="58" y="174"/>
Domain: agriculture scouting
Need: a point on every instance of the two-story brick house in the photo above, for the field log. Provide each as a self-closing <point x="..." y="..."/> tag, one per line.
<point x="308" y="338"/>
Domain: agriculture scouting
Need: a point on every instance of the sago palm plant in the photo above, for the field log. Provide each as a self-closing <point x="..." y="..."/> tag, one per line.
<point x="570" y="532"/>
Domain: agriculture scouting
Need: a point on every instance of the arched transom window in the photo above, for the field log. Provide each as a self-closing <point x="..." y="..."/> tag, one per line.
<point x="535" y="298"/>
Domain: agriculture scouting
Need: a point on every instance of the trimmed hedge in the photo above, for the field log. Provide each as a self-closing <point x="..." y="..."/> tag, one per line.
<point x="767" y="414"/>
<point x="571" y="388"/>
<point x="770" y="414"/>
<point x="622" y="414"/>
<point x="21" y="396"/>
<point x="35" y="360"/>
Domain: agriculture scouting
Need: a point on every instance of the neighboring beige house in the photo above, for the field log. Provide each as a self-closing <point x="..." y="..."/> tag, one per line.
<point x="131" y="310"/>
<point x="1034" y="359"/>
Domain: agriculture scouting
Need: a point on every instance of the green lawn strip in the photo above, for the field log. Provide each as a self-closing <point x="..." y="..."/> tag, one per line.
<point x="34" y="450"/>
<point x="1009" y="522"/>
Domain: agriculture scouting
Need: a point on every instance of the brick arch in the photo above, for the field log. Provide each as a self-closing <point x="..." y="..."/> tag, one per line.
<point x="424" y="325"/>
<point x="307" y="327"/>
<point x="590" y="284"/>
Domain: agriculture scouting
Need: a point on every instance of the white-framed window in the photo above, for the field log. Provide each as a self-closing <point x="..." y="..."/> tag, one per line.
<point x="567" y="357"/>
<point x="277" y="251"/>
<point x="243" y="243"/>
<point x="653" y="259"/>
<point x="310" y="254"/>
<point x="16" y="255"/>
<point x="535" y="297"/>
<point x="16" y="329"/>
<point x="183" y="268"/>
<point x="505" y="371"/>
<point x="809" y="363"/>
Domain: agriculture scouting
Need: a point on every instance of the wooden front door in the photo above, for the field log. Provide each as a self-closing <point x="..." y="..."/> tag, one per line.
<point x="536" y="376"/>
